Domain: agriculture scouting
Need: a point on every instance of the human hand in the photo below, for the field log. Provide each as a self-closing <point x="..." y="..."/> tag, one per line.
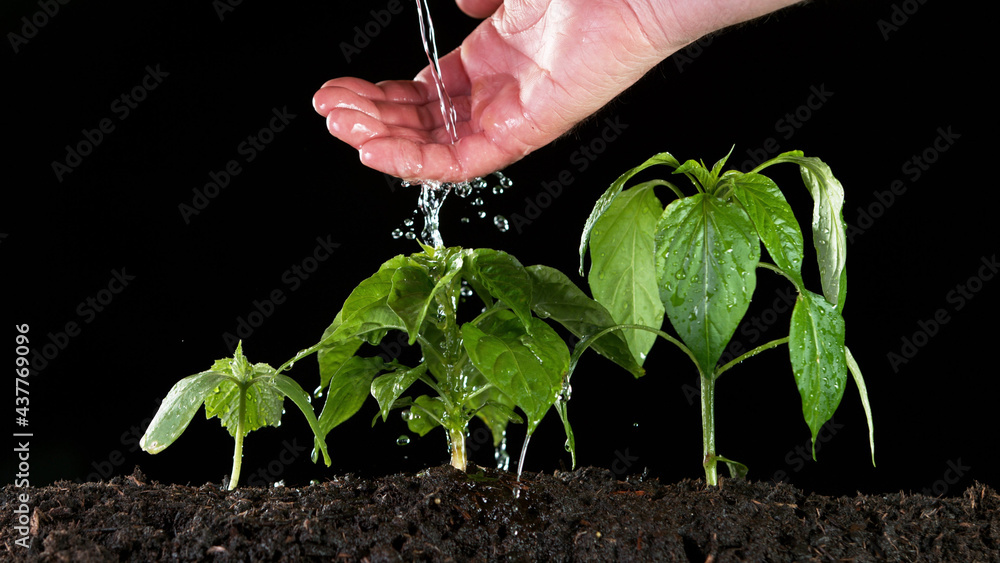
<point x="522" y="78"/>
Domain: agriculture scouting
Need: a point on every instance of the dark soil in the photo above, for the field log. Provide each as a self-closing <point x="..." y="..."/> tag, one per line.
<point x="444" y="515"/>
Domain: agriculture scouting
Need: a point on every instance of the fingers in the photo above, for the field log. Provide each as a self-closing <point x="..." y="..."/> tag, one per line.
<point x="479" y="8"/>
<point x="471" y="157"/>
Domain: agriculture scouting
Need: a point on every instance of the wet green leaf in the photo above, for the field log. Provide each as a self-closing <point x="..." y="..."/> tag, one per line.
<point x="612" y="192"/>
<point x="774" y="220"/>
<point x="828" y="228"/>
<point x="349" y="387"/>
<point x="426" y="414"/>
<point x="555" y="297"/>
<point x="623" y="265"/>
<point x="707" y="252"/>
<point x="526" y="365"/>
<point x="506" y="280"/>
<point x="178" y="409"/>
<point x="411" y="294"/>
<point x="390" y="386"/>
<point x="859" y="380"/>
<point x="816" y="348"/>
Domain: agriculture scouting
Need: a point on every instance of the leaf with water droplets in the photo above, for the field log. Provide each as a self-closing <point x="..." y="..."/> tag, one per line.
<point x="623" y="265"/>
<point x="178" y="408"/>
<point x="554" y="296"/>
<point x="431" y="411"/>
<point x="828" y="227"/>
<point x="388" y="387"/>
<point x="349" y="387"/>
<point x="706" y="295"/>
<point x="774" y="220"/>
<point x="505" y="278"/>
<point x="526" y="365"/>
<point x="612" y="192"/>
<point x="859" y="380"/>
<point x="816" y="349"/>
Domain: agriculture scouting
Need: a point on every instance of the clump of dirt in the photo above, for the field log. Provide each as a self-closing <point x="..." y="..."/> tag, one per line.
<point x="445" y="515"/>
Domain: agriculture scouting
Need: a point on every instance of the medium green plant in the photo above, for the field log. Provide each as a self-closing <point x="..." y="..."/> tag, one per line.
<point x="695" y="262"/>
<point x="244" y="396"/>
<point x="505" y="357"/>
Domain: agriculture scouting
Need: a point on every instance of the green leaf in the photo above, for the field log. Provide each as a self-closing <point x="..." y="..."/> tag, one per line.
<point x="491" y="406"/>
<point x="349" y="387"/>
<point x="179" y="407"/>
<point x="561" y="407"/>
<point x="554" y="296"/>
<point x="333" y="352"/>
<point x="852" y="365"/>
<point x="289" y="388"/>
<point x="366" y="309"/>
<point x="707" y="251"/>
<point x="775" y="222"/>
<point x="262" y="406"/>
<point x="425" y="415"/>
<point x="389" y="387"/>
<point x="816" y="347"/>
<point x="612" y="192"/>
<point x="506" y="279"/>
<point x="623" y="265"/>
<point x="694" y="168"/>
<point x="828" y="228"/>
<point x="526" y="365"/>
<point x="411" y="294"/>
<point x="717" y="167"/>
<point x="736" y="469"/>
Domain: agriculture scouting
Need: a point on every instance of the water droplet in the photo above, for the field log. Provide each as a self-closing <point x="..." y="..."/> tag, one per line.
<point x="477" y="202"/>
<point x="403" y="440"/>
<point x="497" y="190"/>
<point x="567" y="445"/>
<point x="466" y="291"/>
<point x="482" y="214"/>
<point x="408" y="222"/>
<point x="411" y="235"/>
<point x="464" y="219"/>
<point x="397" y="234"/>
<point x="502" y="225"/>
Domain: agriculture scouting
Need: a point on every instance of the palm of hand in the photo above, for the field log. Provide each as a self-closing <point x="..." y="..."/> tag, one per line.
<point x="520" y="80"/>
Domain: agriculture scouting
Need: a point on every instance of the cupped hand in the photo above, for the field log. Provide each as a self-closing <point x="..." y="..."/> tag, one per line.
<point x="526" y="75"/>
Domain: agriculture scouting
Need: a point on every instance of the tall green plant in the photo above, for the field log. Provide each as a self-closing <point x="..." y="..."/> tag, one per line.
<point x="695" y="262"/>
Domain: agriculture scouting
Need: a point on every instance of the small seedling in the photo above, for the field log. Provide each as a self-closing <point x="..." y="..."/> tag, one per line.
<point x="504" y="357"/>
<point x="244" y="396"/>
<point x="696" y="260"/>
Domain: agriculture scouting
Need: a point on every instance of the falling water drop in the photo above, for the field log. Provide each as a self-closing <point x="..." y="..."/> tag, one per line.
<point x="403" y="440"/>
<point x="502" y="225"/>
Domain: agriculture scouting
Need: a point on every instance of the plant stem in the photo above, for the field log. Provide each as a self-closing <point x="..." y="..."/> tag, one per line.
<point x="456" y="442"/>
<point x="240" y="432"/>
<point x="708" y="429"/>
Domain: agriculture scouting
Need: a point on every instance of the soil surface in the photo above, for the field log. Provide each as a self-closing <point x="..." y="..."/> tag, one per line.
<point x="445" y="515"/>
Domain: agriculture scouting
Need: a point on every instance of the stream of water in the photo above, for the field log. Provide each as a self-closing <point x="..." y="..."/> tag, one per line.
<point x="433" y="193"/>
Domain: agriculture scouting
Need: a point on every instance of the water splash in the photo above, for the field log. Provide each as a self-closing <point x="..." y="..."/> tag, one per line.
<point x="433" y="193"/>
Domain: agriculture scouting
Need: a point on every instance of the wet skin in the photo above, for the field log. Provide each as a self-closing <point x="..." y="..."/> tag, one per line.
<point x="527" y="74"/>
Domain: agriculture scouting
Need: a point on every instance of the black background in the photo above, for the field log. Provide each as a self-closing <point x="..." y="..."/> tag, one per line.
<point x="891" y="92"/>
